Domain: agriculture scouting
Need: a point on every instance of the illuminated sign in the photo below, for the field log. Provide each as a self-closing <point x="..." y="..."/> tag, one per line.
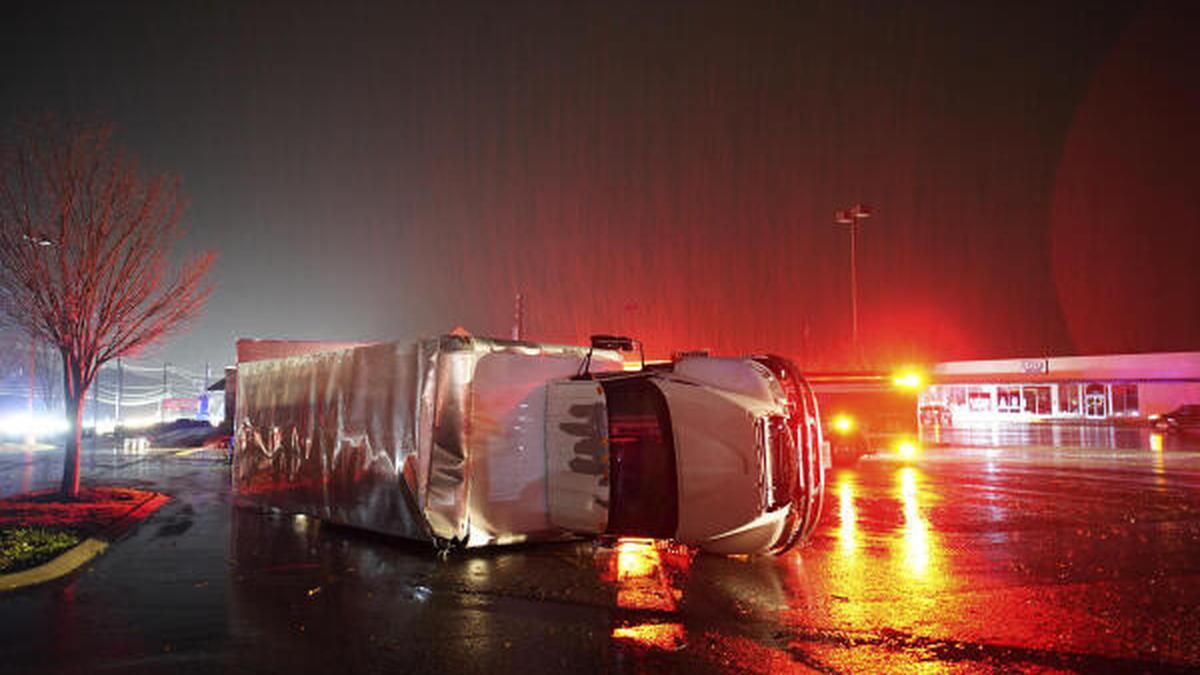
<point x="1035" y="366"/>
<point x="185" y="404"/>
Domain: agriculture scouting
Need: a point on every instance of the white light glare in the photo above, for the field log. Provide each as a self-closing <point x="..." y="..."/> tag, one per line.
<point x="32" y="426"/>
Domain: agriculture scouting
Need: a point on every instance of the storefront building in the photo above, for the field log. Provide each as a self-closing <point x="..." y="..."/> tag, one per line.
<point x="1112" y="387"/>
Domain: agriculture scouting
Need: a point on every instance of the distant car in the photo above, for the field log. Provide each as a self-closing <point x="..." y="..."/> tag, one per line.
<point x="847" y="441"/>
<point x="1185" y="417"/>
<point x="181" y="433"/>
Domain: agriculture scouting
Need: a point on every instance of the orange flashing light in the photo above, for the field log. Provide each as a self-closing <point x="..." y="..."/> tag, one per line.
<point x="843" y="424"/>
<point x="909" y="379"/>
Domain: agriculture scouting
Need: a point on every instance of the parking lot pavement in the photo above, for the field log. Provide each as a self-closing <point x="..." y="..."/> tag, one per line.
<point x="970" y="559"/>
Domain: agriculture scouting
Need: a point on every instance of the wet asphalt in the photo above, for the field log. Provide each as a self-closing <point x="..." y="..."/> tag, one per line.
<point x="1017" y="554"/>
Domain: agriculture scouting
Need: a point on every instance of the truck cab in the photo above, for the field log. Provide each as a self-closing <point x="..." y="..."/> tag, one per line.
<point x="720" y="453"/>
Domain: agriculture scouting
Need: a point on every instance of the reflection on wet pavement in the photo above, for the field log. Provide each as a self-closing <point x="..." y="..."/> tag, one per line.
<point x="1056" y="435"/>
<point x="915" y="541"/>
<point x="848" y="528"/>
<point x="970" y="559"/>
<point x="644" y="581"/>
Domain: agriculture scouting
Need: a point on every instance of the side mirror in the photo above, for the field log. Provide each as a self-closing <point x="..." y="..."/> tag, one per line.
<point x="615" y="342"/>
<point x="618" y="343"/>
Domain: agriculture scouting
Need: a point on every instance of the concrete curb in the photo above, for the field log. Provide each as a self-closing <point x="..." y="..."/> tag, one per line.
<point x="83" y="552"/>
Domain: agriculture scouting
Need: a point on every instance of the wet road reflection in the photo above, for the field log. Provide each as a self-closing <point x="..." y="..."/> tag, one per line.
<point x="848" y="528"/>
<point x="644" y="582"/>
<point x="1057" y="435"/>
<point x="970" y="560"/>
<point x="1068" y="560"/>
<point x="915" y="542"/>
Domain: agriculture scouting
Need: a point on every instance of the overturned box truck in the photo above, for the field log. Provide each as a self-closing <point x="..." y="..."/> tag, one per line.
<point x="463" y="441"/>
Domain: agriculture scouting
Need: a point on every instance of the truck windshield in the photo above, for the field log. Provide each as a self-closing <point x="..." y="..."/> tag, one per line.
<point x="644" y="494"/>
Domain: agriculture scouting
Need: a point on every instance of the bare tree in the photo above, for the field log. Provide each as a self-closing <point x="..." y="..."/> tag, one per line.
<point x="85" y="239"/>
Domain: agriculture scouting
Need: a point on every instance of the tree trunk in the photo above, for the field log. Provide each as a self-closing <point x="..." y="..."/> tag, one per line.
<point x="74" y="391"/>
<point x="70" y="479"/>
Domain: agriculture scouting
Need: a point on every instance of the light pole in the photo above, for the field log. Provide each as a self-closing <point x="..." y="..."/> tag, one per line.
<point x="29" y="437"/>
<point x="850" y="217"/>
<point x="162" y="402"/>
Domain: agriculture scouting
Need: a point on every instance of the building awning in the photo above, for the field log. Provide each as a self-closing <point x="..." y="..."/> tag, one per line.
<point x="1153" y="367"/>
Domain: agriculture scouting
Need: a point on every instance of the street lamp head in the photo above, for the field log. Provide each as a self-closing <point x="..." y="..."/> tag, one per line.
<point x="37" y="240"/>
<point x="843" y="217"/>
<point x="860" y="211"/>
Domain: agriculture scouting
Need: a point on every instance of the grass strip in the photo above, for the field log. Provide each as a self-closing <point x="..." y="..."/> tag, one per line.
<point x="25" y="547"/>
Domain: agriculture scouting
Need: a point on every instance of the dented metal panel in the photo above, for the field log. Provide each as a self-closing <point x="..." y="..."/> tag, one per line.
<point x="446" y="483"/>
<point x="332" y="434"/>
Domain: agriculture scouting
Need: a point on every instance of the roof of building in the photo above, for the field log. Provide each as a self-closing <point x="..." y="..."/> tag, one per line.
<point x="1162" y="366"/>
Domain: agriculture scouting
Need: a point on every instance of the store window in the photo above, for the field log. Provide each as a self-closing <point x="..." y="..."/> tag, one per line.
<point x="1125" y="399"/>
<point x="1095" y="400"/>
<point x="980" y="399"/>
<point x="1037" y="400"/>
<point x="1068" y="399"/>
<point x="1008" y="399"/>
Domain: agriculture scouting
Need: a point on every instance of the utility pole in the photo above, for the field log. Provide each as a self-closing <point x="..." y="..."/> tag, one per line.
<point x="518" y="330"/>
<point x="29" y="437"/>
<point x="204" y="395"/>
<point x="96" y="404"/>
<point x="162" y="400"/>
<point x="120" y="388"/>
<point x="850" y="217"/>
<point x="32" y="374"/>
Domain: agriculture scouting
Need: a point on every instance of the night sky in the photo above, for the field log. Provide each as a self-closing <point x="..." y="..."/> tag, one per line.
<point x="669" y="170"/>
